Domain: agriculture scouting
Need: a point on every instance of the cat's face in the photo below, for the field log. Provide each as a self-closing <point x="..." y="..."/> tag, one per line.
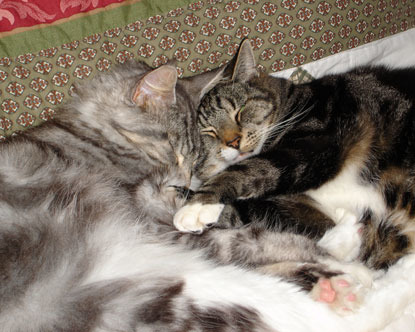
<point x="234" y="121"/>
<point x="145" y="111"/>
<point x="234" y="118"/>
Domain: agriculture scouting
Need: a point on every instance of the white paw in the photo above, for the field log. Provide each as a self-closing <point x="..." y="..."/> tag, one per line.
<point x="343" y="241"/>
<point x="194" y="218"/>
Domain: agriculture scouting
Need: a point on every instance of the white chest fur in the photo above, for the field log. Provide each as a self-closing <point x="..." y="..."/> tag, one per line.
<point x="347" y="191"/>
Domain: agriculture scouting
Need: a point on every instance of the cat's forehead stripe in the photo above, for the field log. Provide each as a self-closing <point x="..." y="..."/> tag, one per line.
<point x="232" y="101"/>
<point x="218" y="100"/>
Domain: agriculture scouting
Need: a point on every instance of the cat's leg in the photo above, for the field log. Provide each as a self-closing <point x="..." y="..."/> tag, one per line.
<point x="344" y="240"/>
<point x="237" y="182"/>
<point x="299" y="214"/>
<point x="295" y="213"/>
<point x="283" y="214"/>
<point x="293" y="257"/>
<point x="342" y="287"/>
<point x="251" y="246"/>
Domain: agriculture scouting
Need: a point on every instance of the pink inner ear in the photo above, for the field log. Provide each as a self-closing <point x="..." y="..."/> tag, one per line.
<point x="157" y="86"/>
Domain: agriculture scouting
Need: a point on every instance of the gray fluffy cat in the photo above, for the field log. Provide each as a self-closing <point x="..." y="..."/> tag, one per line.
<point x="87" y="241"/>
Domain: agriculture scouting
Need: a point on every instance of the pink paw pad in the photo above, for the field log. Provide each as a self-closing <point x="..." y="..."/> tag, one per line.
<point x="327" y="294"/>
<point x="342" y="283"/>
<point x="351" y="297"/>
<point x="342" y="295"/>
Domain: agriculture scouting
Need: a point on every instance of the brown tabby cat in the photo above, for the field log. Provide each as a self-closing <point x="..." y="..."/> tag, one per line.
<point x="304" y="158"/>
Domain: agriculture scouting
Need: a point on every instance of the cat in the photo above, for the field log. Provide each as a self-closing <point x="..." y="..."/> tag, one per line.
<point x="87" y="241"/>
<point x="304" y="158"/>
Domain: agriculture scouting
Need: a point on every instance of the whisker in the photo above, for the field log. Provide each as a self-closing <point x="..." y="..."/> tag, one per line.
<point x="292" y="117"/>
<point x="298" y="115"/>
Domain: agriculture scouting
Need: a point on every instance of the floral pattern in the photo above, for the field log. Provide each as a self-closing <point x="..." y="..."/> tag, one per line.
<point x="23" y="8"/>
<point x="23" y="13"/>
<point x="84" y="4"/>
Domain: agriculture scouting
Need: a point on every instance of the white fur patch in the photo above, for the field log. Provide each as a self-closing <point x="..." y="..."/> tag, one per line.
<point x="388" y="298"/>
<point x="343" y="241"/>
<point x="345" y="191"/>
<point x="229" y="154"/>
<point x="196" y="217"/>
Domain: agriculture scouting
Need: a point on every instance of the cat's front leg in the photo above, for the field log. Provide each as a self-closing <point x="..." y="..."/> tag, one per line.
<point x="248" y="179"/>
<point x="295" y="258"/>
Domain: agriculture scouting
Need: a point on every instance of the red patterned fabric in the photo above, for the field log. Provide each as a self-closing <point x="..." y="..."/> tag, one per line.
<point x="25" y="13"/>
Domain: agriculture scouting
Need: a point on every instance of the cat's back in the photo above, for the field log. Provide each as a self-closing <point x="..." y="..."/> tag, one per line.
<point x="366" y="97"/>
<point x="368" y="81"/>
<point x="399" y="79"/>
<point x="24" y="156"/>
<point x="47" y="152"/>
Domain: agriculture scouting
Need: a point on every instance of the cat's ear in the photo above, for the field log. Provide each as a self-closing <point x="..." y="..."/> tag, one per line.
<point x="157" y="87"/>
<point x="240" y="68"/>
<point x="244" y="63"/>
<point x="197" y="86"/>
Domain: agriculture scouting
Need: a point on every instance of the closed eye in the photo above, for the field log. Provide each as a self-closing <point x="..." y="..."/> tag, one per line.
<point x="238" y="114"/>
<point x="209" y="131"/>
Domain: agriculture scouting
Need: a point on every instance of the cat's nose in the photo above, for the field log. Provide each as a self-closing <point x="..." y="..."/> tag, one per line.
<point x="234" y="143"/>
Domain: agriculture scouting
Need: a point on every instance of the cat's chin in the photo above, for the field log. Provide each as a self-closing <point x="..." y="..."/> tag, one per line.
<point x="233" y="156"/>
<point x="242" y="156"/>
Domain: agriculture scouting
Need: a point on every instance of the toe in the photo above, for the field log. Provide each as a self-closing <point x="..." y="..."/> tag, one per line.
<point x="327" y="296"/>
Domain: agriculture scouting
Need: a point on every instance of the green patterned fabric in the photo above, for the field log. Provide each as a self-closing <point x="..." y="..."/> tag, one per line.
<point x="38" y="68"/>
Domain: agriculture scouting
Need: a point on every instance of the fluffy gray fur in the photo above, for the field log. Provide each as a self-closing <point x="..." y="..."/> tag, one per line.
<point x="86" y="235"/>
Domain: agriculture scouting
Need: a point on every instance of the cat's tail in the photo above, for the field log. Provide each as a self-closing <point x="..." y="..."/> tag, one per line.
<point x="389" y="237"/>
<point x="386" y="239"/>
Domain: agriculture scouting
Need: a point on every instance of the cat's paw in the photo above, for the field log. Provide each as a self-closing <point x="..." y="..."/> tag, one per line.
<point x="195" y="217"/>
<point x="341" y="293"/>
<point x="343" y="241"/>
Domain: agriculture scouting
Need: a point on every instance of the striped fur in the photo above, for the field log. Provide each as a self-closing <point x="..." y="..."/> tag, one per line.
<point x="304" y="151"/>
